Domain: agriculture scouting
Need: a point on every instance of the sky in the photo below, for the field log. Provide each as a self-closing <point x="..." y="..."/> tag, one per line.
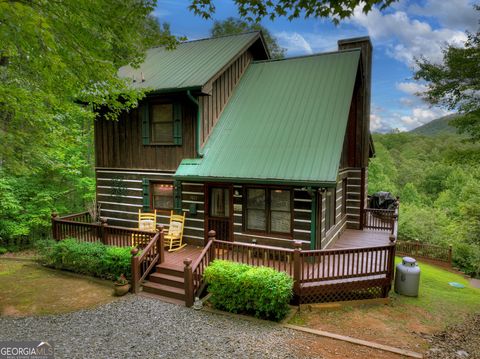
<point x="405" y="31"/>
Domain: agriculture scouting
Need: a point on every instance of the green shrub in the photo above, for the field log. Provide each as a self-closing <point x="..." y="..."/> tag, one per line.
<point x="467" y="258"/>
<point x="3" y="250"/>
<point x="95" y="259"/>
<point x="239" y="288"/>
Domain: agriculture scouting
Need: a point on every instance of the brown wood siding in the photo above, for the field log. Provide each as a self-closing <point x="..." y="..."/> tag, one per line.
<point x="222" y="88"/>
<point x="118" y="144"/>
<point x="122" y="210"/>
<point x="193" y="194"/>
<point x="359" y="129"/>
<point x="340" y="217"/>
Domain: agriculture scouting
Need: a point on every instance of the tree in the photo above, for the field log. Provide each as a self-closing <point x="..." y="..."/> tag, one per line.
<point x="58" y="62"/>
<point x="455" y="83"/>
<point x="237" y="26"/>
<point x="256" y="10"/>
<point x="55" y="53"/>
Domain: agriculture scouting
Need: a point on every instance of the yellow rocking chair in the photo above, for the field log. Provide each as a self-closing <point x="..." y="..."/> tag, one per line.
<point x="146" y="222"/>
<point x="174" y="237"/>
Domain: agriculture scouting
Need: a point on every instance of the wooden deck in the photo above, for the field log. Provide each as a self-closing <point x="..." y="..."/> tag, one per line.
<point x="354" y="238"/>
<point x="351" y="238"/>
<point x="174" y="260"/>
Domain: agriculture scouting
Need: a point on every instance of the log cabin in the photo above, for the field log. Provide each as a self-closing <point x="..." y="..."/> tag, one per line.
<point x="267" y="158"/>
<point x="261" y="150"/>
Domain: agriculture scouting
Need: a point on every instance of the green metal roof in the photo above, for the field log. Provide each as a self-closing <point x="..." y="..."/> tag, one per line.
<point x="285" y="123"/>
<point x="190" y="65"/>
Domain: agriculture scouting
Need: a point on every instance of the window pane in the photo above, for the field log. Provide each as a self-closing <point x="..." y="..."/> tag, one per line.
<point x="162" y="196"/>
<point x="256" y="219"/>
<point x="162" y="132"/>
<point x="162" y="113"/>
<point x="219" y="202"/>
<point x="256" y="198"/>
<point x="280" y="200"/>
<point x="280" y="222"/>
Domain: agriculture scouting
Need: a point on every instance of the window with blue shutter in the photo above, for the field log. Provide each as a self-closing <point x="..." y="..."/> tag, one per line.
<point x="162" y="124"/>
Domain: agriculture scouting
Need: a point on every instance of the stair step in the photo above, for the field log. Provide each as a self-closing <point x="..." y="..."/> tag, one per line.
<point x="169" y="270"/>
<point x="164" y="290"/>
<point x="162" y="298"/>
<point x="170" y="280"/>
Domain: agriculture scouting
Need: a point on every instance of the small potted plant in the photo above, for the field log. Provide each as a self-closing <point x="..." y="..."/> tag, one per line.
<point x="121" y="286"/>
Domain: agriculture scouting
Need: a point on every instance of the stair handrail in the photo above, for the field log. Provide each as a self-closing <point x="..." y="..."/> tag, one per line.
<point x="143" y="261"/>
<point x="193" y="273"/>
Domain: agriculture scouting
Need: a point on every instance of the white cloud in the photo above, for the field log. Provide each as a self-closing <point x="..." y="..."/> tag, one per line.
<point x="294" y="43"/>
<point x="422" y="115"/>
<point x="406" y="38"/>
<point x="411" y="88"/>
<point x="375" y="122"/>
<point x="458" y="14"/>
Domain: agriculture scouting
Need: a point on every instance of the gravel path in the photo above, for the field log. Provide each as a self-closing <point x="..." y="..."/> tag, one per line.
<point x="136" y="326"/>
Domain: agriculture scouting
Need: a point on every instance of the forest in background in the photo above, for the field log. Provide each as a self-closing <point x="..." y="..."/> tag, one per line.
<point x="437" y="178"/>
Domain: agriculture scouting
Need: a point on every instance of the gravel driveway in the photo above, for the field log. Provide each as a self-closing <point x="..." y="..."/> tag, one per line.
<point x="136" y="326"/>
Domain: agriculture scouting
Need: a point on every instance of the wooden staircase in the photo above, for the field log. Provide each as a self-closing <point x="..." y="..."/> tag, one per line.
<point x="166" y="283"/>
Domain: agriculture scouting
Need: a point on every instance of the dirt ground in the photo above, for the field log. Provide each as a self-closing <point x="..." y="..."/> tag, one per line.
<point x="318" y="347"/>
<point x="383" y="324"/>
<point x="27" y="288"/>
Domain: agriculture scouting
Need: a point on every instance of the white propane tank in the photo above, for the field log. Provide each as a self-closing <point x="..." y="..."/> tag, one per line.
<point x="407" y="277"/>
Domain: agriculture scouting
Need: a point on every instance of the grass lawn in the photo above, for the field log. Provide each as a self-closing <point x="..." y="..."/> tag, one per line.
<point x="26" y="288"/>
<point x="405" y="322"/>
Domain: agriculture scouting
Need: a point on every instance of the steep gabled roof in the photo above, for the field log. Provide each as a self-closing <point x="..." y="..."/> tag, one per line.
<point x="285" y="123"/>
<point x="192" y="63"/>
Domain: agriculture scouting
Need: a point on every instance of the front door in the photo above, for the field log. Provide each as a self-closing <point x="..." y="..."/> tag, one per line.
<point x="219" y="214"/>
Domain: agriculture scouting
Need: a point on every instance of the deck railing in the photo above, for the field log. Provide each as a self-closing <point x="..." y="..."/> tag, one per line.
<point x="80" y="227"/>
<point x="147" y="246"/>
<point x="425" y="251"/>
<point x="379" y="219"/>
<point x="335" y="264"/>
<point x="306" y="267"/>
<point x="143" y="261"/>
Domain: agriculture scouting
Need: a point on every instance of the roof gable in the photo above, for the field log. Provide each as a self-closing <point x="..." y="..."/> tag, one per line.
<point x="285" y="123"/>
<point x="191" y="64"/>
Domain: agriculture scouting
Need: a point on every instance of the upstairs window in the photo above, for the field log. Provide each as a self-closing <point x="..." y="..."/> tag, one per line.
<point x="161" y="123"/>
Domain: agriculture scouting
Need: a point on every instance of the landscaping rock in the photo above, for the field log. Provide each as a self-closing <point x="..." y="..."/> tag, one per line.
<point x="457" y="341"/>
<point x="136" y="326"/>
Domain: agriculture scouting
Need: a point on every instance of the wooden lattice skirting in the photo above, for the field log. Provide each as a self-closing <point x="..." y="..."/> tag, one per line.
<point x="339" y="292"/>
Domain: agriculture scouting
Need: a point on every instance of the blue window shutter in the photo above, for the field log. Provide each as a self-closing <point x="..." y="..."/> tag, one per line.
<point x="145" y="115"/>
<point x="177" y="196"/>
<point x="177" y="123"/>
<point x="146" y="194"/>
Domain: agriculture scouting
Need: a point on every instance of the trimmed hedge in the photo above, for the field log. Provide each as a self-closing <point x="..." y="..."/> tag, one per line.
<point x="95" y="259"/>
<point x="239" y="288"/>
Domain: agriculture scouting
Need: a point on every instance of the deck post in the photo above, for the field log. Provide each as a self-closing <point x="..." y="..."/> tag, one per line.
<point x="188" y="279"/>
<point x="297" y="268"/>
<point x="103" y="230"/>
<point x="135" y="271"/>
<point x="54" y="226"/>
<point x="160" y="246"/>
<point x="211" y="237"/>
